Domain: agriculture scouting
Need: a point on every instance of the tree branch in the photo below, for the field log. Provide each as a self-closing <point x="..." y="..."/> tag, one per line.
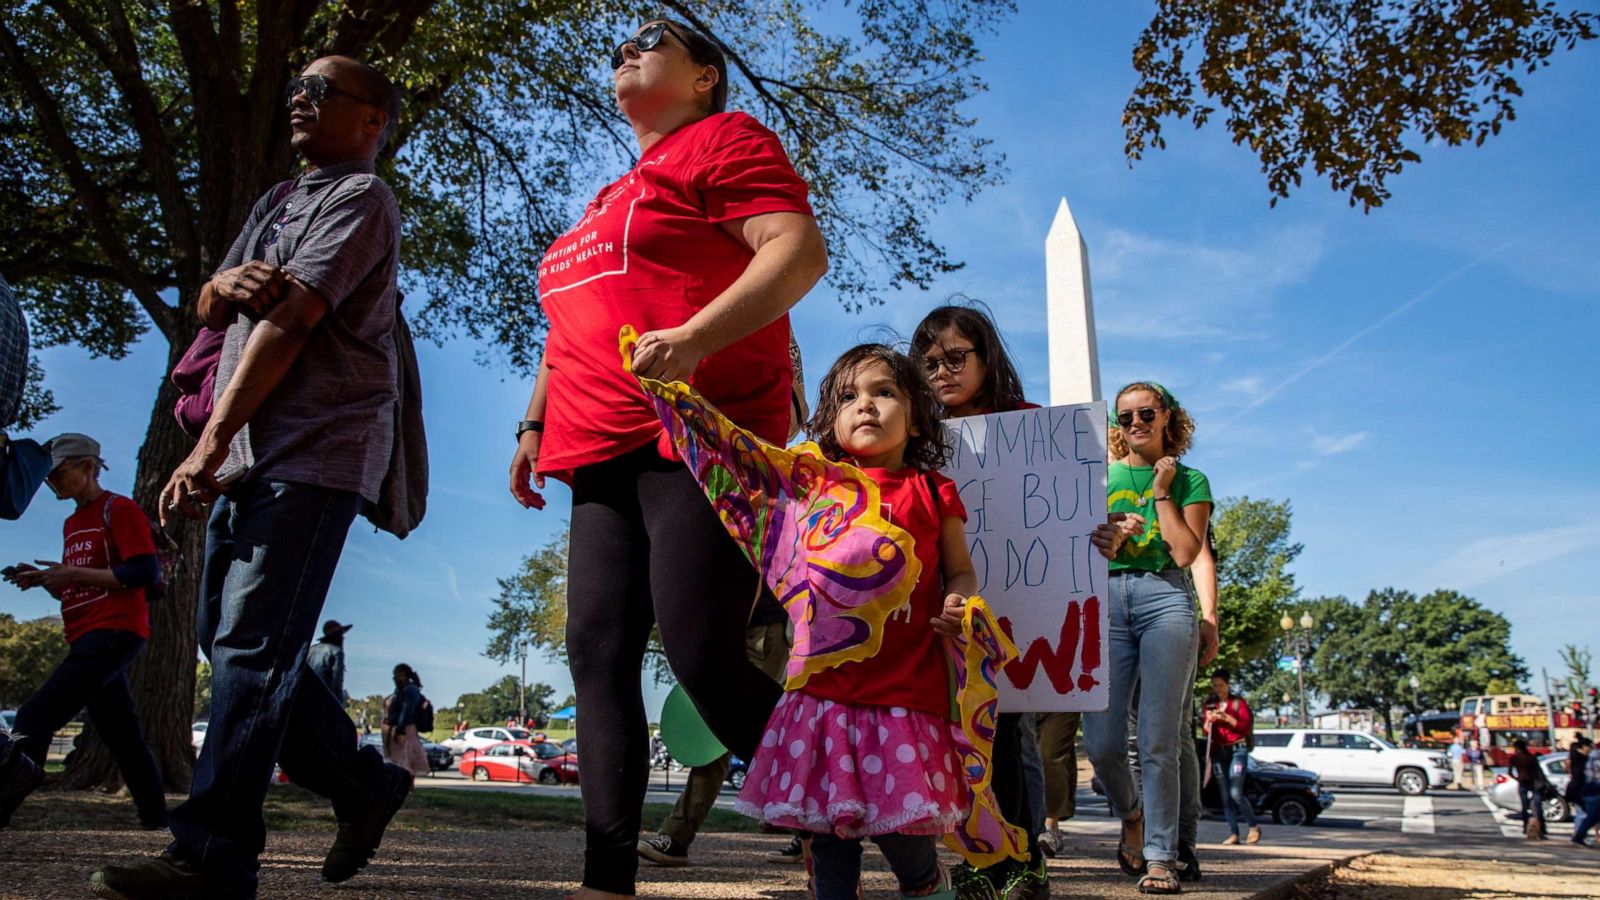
<point x="96" y="207"/>
<point x="122" y="61"/>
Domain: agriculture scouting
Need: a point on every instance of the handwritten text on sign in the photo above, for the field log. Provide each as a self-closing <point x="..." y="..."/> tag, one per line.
<point x="1034" y="485"/>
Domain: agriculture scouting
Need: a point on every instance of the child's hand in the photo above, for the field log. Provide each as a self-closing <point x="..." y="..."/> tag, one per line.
<point x="948" y="623"/>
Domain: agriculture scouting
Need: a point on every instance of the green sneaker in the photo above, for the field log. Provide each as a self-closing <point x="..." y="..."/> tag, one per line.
<point x="1028" y="884"/>
<point x="972" y="884"/>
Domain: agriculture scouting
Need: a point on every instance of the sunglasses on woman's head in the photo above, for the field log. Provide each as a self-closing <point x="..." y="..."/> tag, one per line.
<point x="1146" y="415"/>
<point x="646" y="40"/>
<point x="317" y="88"/>
<point x="953" y="361"/>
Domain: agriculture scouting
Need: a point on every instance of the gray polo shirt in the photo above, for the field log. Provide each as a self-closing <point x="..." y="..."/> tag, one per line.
<point x="331" y="421"/>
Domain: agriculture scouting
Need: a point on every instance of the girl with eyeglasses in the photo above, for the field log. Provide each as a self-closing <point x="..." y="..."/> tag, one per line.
<point x="702" y="246"/>
<point x="1154" y="635"/>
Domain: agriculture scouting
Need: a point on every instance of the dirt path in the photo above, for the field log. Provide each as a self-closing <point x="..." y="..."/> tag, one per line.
<point x="1386" y="876"/>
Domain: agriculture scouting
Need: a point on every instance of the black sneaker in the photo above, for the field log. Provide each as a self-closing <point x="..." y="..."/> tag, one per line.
<point x="1028" y="884"/>
<point x="19" y="777"/>
<point x="357" y="842"/>
<point x="1188" y="863"/>
<point x="972" y="884"/>
<point x="792" y="852"/>
<point x="165" y="876"/>
<point x="662" y="850"/>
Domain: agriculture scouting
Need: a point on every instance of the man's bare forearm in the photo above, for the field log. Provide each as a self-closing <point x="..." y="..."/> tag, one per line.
<point x="274" y="346"/>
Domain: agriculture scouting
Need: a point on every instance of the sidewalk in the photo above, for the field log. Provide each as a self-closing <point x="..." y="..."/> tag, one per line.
<point x="540" y="864"/>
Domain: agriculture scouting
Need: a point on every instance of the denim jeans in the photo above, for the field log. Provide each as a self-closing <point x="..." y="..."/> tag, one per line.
<point x="1229" y="768"/>
<point x="94" y="677"/>
<point x="271" y="550"/>
<point x="1154" y="639"/>
<point x="1589" y="816"/>
<point x="1032" y="773"/>
<point x="836" y="862"/>
<point x="1188" y="779"/>
<point x="1532" y="799"/>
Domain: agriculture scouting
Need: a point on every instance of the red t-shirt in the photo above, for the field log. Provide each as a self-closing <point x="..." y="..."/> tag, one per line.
<point x="911" y="668"/>
<point x="85" y="609"/>
<point x="650" y="252"/>
<point x="1223" y="733"/>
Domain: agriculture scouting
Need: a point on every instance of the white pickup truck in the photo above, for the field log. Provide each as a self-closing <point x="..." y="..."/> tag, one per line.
<point x="1352" y="757"/>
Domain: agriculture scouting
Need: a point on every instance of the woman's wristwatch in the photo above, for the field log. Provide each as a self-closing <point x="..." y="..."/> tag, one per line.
<point x="529" y="425"/>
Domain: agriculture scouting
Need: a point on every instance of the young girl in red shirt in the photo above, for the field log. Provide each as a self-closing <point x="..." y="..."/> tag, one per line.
<point x="867" y="749"/>
<point x="964" y="358"/>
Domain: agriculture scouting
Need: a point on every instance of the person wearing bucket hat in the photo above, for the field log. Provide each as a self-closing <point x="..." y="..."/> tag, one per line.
<point x="326" y="658"/>
<point x="1155" y="633"/>
<point x="108" y="560"/>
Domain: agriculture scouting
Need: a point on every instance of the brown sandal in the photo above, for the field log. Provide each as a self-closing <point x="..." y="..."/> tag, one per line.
<point x="1131" y="859"/>
<point x="1160" y="880"/>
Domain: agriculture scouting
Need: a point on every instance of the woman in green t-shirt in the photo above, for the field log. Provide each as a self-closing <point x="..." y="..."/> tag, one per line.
<point x="1153" y="631"/>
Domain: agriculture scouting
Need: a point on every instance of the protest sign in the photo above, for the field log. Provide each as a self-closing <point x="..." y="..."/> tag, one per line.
<point x="1034" y="485"/>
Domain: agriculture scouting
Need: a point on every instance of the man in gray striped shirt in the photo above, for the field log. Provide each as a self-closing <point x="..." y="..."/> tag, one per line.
<point x="299" y="439"/>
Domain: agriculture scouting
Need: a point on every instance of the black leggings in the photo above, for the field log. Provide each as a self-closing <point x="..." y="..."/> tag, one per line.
<point x="648" y="549"/>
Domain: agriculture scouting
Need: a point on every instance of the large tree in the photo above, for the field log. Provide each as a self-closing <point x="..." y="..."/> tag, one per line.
<point x="1354" y="89"/>
<point x="138" y="135"/>
<point x="1366" y="654"/>
<point x="1254" y="585"/>
<point x="29" y="652"/>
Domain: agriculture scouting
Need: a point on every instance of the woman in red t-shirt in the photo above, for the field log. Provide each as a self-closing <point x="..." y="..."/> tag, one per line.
<point x="1229" y="723"/>
<point x="703" y="247"/>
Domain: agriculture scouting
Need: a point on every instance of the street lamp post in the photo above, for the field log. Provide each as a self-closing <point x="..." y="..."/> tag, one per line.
<point x="1300" y="644"/>
<point x="1416" y="702"/>
<point x="522" y="684"/>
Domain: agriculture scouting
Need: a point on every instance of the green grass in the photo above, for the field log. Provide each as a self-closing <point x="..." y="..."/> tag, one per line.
<point x="290" y="808"/>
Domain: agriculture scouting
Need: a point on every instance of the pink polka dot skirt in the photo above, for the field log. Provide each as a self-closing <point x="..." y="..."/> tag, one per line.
<point x="855" y="770"/>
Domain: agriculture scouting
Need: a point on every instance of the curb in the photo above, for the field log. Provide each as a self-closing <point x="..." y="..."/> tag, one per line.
<point x="1287" y="889"/>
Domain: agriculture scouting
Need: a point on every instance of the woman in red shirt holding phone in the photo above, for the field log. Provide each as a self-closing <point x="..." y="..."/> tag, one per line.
<point x="703" y="247"/>
<point x="1229" y="723"/>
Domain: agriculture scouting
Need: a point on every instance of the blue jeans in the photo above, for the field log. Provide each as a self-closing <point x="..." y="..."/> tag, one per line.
<point x="1532" y="799"/>
<point x="94" y="677"/>
<point x="1229" y="767"/>
<point x="1032" y="775"/>
<point x="1590" y="817"/>
<point x="836" y="862"/>
<point x="271" y="550"/>
<point x="1154" y="639"/>
<point x="1188" y="778"/>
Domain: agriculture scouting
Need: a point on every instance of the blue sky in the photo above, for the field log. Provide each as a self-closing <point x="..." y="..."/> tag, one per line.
<point x="1416" y="381"/>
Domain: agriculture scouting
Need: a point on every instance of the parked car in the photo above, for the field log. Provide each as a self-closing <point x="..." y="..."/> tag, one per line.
<point x="737" y="769"/>
<point x="197" y="734"/>
<point x="483" y="738"/>
<point x="439" y="756"/>
<point x="1291" y="796"/>
<point x="1557" y="768"/>
<point x="520" y="761"/>
<point x="570" y="743"/>
<point x="1353" y="757"/>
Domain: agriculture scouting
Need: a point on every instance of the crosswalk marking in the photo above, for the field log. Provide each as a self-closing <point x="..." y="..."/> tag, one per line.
<point x="1417" y="816"/>
<point x="1509" y="827"/>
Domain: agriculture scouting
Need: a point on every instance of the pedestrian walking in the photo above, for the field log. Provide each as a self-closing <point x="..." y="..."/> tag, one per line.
<point x="1475" y="760"/>
<point x="1154" y="628"/>
<point x="1229" y="723"/>
<point x="767" y="645"/>
<point x="108" y="562"/>
<point x="1458" y="761"/>
<point x="1577" y="779"/>
<point x="1589" y="820"/>
<point x="402" y="738"/>
<point x="703" y="247"/>
<point x="1531" y="784"/>
<point x="326" y="658"/>
<point x="300" y="438"/>
<point x="1203" y="580"/>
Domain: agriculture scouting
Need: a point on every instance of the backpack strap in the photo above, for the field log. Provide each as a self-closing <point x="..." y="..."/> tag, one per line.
<point x="112" y="555"/>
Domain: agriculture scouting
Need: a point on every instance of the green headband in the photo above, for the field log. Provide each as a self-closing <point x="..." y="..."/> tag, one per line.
<point x="1169" y="401"/>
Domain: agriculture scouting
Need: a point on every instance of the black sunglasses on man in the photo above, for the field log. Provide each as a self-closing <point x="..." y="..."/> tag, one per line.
<point x="646" y="40"/>
<point x="317" y="88"/>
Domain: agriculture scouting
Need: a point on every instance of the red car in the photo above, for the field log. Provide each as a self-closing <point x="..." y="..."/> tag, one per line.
<point x="521" y="762"/>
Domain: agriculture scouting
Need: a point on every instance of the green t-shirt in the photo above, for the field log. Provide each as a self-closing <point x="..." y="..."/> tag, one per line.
<point x="1128" y="489"/>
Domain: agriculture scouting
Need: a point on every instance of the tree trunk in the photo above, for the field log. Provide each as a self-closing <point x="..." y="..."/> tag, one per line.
<point x="162" y="676"/>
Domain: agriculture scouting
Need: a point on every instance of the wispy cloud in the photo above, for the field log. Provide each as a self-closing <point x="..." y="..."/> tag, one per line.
<point x="1392" y="314"/>
<point x="1250" y="385"/>
<point x="1497" y="556"/>
<point x="1150" y="286"/>
<point x="1333" y="445"/>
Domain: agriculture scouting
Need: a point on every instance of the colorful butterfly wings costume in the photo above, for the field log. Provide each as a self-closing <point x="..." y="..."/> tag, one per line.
<point x="815" y="529"/>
